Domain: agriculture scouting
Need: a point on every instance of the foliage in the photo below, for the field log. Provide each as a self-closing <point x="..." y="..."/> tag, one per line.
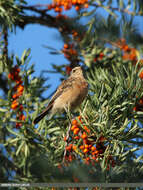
<point x="101" y="142"/>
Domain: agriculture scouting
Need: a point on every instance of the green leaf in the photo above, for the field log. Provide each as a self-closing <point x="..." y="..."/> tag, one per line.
<point x="53" y="130"/>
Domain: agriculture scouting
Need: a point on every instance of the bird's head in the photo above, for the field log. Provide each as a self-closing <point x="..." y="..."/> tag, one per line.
<point x="76" y="71"/>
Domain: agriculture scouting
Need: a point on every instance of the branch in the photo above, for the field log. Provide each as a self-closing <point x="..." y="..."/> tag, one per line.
<point x="44" y="19"/>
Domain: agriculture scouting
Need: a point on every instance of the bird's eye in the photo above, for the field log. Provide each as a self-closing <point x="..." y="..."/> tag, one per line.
<point x="73" y="70"/>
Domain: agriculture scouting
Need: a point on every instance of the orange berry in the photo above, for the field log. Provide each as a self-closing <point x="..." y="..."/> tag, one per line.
<point x="68" y="148"/>
<point x="87" y="159"/>
<point x="74" y="2"/>
<point x="81" y="147"/>
<point x="95" y="152"/>
<point x="9" y="75"/>
<point x="126" y="48"/>
<point x="14" y="105"/>
<point x="56" y="9"/>
<point x="15" y="96"/>
<point x="20" y="93"/>
<point x="126" y="56"/>
<point x="74" y="147"/>
<point x="76" y="131"/>
<point x="85" y="150"/>
<point x="93" y="148"/>
<point x="19" y="81"/>
<point x="86" y="129"/>
<point x="70" y="145"/>
<point x="79" y="117"/>
<point x="86" y="5"/>
<point x="18" y="125"/>
<point x="141" y="101"/>
<point x="101" y="55"/>
<point x="74" y="127"/>
<point x="77" y="8"/>
<point x="22" y="117"/>
<point x="84" y="135"/>
<point x="77" y="137"/>
<point x="66" y="46"/>
<point x="20" y="88"/>
<point x="135" y="108"/>
<point x="65" y="138"/>
<point x="86" y="145"/>
<point x="74" y="122"/>
<point x="141" y="75"/>
<point x="75" y="34"/>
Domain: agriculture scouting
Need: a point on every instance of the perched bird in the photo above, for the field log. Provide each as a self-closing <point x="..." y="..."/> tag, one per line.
<point x="68" y="95"/>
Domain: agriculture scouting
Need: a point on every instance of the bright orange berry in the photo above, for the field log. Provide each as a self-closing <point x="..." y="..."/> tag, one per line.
<point x="74" y="122"/>
<point x="93" y="148"/>
<point x="77" y="137"/>
<point x="86" y="5"/>
<point x="74" y="127"/>
<point x="86" y="145"/>
<point x="85" y="150"/>
<point x="65" y="138"/>
<point x="66" y="46"/>
<point x="14" y="105"/>
<point x="84" y="135"/>
<point x="77" y="8"/>
<point x="141" y="75"/>
<point x="87" y="159"/>
<point x="82" y="147"/>
<point x="74" y="147"/>
<point x="76" y="131"/>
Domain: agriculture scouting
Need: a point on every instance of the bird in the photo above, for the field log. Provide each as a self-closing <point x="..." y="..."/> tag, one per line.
<point x="68" y="96"/>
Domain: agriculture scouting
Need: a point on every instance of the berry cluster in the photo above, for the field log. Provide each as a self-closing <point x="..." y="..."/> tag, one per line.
<point x="69" y="51"/>
<point x="131" y="54"/>
<point x="18" y="91"/>
<point x="128" y="52"/>
<point x="99" y="57"/>
<point x="71" y="54"/>
<point x="80" y="143"/>
<point x="60" y="5"/>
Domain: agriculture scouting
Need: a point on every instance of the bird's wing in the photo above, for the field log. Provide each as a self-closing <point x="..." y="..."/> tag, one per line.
<point x="65" y="85"/>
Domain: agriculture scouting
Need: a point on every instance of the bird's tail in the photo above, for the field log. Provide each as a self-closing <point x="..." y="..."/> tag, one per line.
<point x="42" y="115"/>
